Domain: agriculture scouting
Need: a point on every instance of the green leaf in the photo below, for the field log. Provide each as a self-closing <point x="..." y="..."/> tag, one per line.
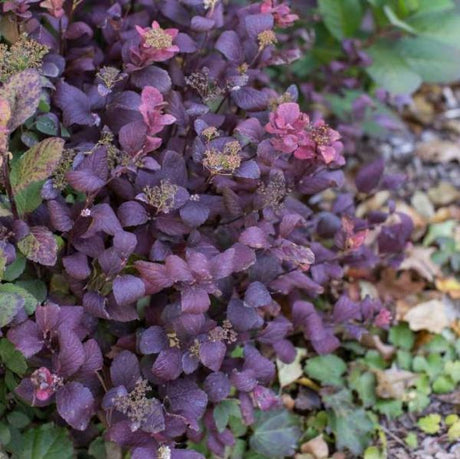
<point x="12" y="358"/>
<point x="439" y="230"/>
<point x="432" y="365"/>
<point x="390" y="70"/>
<point x="46" y="442"/>
<point x="364" y="384"/>
<point x="430" y="6"/>
<point x="29" y="199"/>
<point x="430" y="424"/>
<point x="402" y="336"/>
<point x="37" y="163"/>
<point x="18" y="419"/>
<point x="238" y="449"/>
<point x="443" y="385"/>
<point x="13" y="292"/>
<point x="443" y="27"/>
<point x="5" y="435"/>
<point x="374" y="453"/>
<point x="397" y="22"/>
<point x="351" y="425"/>
<point x="453" y="370"/>
<point x="223" y="411"/>
<point x="15" y="269"/>
<point x="35" y="287"/>
<point x="389" y="408"/>
<point x="46" y="125"/>
<point x="411" y="440"/>
<point x="454" y="432"/>
<point x="275" y="433"/>
<point x="328" y="369"/>
<point x="342" y="17"/>
<point x="435" y="62"/>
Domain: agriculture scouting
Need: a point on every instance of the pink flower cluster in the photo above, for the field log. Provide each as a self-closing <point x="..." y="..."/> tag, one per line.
<point x="54" y="7"/>
<point x="294" y="133"/>
<point x="45" y="383"/>
<point x="281" y="13"/>
<point x="156" y="45"/>
<point x="151" y="109"/>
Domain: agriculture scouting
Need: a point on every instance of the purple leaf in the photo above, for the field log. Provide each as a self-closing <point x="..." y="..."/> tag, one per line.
<point x="26" y="338"/>
<point x="257" y="23"/>
<point x="369" y="176"/>
<point x="93" y="357"/>
<point x="212" y="354"/>
<point x="77" y="266"/>
<point x="74" y="104"/>
<point x="153" y="340"/>
<point x="168" y="365"/>
<point x="187" y="400"/>
<point x="194" y="214"/>
<point x="244" y="381"/>
<point x="127" y="289"/>
<point x="263" y="368"/>
<point x="75" y="404"/>
<point x="194" y="300"/>
<point x="257" y="295"/>
<point x="254" y="237"/>
<point x="124" y="370"/>
<point x="132" y="213"/>
<point x="250" y="99"/>
<point x="154" y="276"/>
<point x="243" y="318"/>
<point x="229" y="45"/>
<point x="217" y="386"/>
<point x="71" y="353"/>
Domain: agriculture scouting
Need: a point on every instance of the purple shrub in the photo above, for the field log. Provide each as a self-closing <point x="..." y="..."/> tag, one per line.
<point x="191" y="245"/>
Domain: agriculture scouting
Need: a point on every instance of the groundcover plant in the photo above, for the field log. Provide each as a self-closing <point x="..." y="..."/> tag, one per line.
<point x="162" y="233"/>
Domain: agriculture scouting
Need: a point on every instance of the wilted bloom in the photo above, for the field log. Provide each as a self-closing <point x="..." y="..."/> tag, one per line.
<point x="325" y="141"/>
<point x="157" y="43"/>
<point x="281" y="13"/>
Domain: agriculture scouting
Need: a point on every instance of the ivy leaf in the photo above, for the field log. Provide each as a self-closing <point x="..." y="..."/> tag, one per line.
<point x="22" y="91"/>
<point x="37" y="163"/>
<point x="328" y="369"/>
<point x="402" y="336"/>
<point x="275" y="433"/>
<point x="342" y="17"/>
<point x="223" y="411"/>
<point x="46" y="442"/>
<point x="12" y="358"/>
<point x="39" y="246"/>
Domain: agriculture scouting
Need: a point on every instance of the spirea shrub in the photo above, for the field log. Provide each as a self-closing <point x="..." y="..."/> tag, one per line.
<point x="168" y="223"/>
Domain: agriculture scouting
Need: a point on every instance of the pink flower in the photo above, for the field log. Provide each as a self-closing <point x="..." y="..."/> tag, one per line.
<point x="45" y="383"/>
<point x="151" y="109"/>
<point x="295" y="134"/>
<point x="281" y="13"/>
<point x="383" y="318"/>
<point x="156" y="44"/>
<point x="54" y="7"/>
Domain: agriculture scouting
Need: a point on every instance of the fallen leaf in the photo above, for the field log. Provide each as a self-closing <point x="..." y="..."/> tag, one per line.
<point x="374" y="342"/>
<point x="290" y="372"/>
<point x="393" y="383"/>
<point x="392" y="286"/>
<point x="316" y="447"/>
<point x="453" y="398"/>
<point x="375" y="203"/>
<point x="438" y="151"/>
<point x="430" y="315"/>
<point x="443" y="194"/>
<point x="419" y="259"/>
<point x="449" y="285"/>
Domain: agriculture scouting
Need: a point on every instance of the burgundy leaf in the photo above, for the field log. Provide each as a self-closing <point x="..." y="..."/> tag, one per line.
<point x="71" y="353"/>
<point x="168" y="365"/>
<point x="217" y="386"/>
<point x="127" y="289"/>
<point x="74" y="104"/>
<point x="212" y="354"/>
<point x="77" y="266"/>
<point x="153" y="340"/>
<point x="75" y="404"/>
<point x="124" y="370"/>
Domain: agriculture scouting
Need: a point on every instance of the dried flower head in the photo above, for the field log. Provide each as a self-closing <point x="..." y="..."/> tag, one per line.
<point x="266" y="38"/>
<point x="223" y="163"/>
<point x="164" y="452"/>
<point x="223" y="333"/>
<point x="161" y="196"/>
<point x="173" y="340"/>
<point x="200" y="82"/>
<point x="210" y="133"/>
<point x="273" y="193"/>
<point x="109" y="77"/>
<point x="157" y="44"/>
<point x="45" y="383"/>
<point x="135" y="405"/>
<point x="64" y="166"/>
<point x="209" y="4"/>
<point x="25" y="53"/>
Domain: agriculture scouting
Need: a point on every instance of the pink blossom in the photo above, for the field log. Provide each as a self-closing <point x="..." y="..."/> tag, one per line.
<point x="45" y="383"/>
<point x="151" y="109"/>
<point x="54" y="7"/>
<point x="156" y="44"/>
<point x="281" y="13"/>
<point x="383" y="318"/>
<point x="295" y="134"/>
